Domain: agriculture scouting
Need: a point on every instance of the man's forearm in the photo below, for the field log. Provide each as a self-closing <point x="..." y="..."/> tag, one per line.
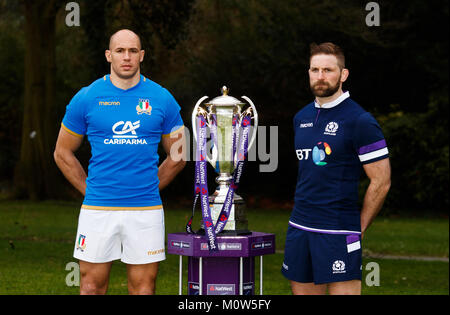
<point x="168" y="170"/>
<point x="373" y="201"/>
<point x="72" y="170"/>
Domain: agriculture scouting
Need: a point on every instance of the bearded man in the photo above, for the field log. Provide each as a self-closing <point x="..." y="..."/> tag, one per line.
<point x="335" y="138"/>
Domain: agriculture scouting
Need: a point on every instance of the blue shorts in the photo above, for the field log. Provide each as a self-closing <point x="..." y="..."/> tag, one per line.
<point x="321" y="258"/>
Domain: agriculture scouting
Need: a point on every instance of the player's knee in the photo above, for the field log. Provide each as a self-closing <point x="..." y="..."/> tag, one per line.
<point x="307" y="288"/>
<point x="141" y="291"/>
<point x="92" y="288"/>
<point x="352" y="287"/>
<point x="142" y="287"/>
<point x="90" y="285"/>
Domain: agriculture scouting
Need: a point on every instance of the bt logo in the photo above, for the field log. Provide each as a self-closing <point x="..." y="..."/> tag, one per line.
<point x="319" y="153"/>
<point x="302" y="154"/>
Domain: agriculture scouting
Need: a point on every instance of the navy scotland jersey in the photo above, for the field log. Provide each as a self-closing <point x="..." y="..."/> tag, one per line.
<point x="332" y="143"/>
<point x="124" y="129"/>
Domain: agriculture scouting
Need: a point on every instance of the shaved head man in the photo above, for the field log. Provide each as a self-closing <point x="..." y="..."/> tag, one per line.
<point x="125" y="55"/>
<point x="125" y="117"/>
<point x="127" y="33"/>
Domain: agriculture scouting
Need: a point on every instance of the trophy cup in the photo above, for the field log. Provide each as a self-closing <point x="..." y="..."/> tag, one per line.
<point x="221" y="256"/>
<point x="224" y="117"/>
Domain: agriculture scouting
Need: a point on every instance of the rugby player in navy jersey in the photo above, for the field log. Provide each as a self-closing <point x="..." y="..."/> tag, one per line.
<point x="125" y="116"/>
<point x="335" y="140"/>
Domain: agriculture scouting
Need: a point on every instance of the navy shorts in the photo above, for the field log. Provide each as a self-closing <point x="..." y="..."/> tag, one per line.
<point x="321" y="258"/>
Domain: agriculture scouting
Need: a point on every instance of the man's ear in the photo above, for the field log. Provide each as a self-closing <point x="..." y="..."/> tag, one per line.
<point x="142" y="56"/>
<point x="344" y="75"/>
<point x="108" y="55"/>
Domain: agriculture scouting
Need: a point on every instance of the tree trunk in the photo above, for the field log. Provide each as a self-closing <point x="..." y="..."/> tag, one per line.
<point x="35" y="172"/>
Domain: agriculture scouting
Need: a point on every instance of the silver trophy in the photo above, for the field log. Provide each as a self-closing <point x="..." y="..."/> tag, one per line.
<point x="223" y="157"/>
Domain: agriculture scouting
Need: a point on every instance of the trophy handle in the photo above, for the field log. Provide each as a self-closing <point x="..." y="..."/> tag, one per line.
<point x="194" y="114"/>
<point x="194" y="130"/>
<point x="255" y="125"/>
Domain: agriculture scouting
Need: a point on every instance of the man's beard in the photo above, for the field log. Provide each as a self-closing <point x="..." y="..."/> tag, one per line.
<point x="325" y="91"/>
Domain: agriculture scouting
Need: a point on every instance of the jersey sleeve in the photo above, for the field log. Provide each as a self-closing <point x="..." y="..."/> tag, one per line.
<point x="294" y="122"/>
<point x="172" y="120"/>
<point x="369" y="140"/>
<point x="74" y="120"/>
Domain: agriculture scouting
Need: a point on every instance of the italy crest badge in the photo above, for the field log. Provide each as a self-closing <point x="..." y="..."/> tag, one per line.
<point x="144" y="107"/>
<point x="81" y="244"/>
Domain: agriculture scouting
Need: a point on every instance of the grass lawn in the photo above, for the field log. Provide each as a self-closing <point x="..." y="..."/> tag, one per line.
<point x="37" y="239"/>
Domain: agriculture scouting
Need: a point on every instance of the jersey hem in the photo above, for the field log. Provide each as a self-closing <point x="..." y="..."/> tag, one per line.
<point x="108" y="208"/>
<point x="73" y="133"/>
<point x="324" y="231"/>
<point x="175" y="131"/>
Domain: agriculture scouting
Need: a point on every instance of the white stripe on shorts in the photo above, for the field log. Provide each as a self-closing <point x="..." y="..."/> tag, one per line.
<point x="305" y="228"/>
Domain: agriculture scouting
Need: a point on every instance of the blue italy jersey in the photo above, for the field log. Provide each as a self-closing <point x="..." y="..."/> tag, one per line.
<point x="124" y="128"/>
<point x="332" y="143"/>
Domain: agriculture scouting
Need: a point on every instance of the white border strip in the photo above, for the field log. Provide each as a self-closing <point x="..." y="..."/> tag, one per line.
<point x="321" y="230"/>
<point x="373" y="155"/>
<point x="334" y="103"/>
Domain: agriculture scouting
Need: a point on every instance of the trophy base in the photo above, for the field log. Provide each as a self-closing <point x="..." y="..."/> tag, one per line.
<point x="228" y="232"/>
<point x="237" y="223"/>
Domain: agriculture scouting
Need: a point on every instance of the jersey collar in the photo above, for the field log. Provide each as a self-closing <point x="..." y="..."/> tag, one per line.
<point x="334" y="103"/>
<point x="107" y="78"/>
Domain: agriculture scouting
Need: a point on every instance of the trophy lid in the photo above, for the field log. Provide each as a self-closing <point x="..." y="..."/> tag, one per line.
<point x="225" y="99"/>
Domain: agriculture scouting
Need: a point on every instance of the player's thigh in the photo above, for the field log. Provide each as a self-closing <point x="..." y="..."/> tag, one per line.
<point x="351" y="287"/>
<point x="97" y="239"/>
<point x="143" y="237"/>
<point x="297" y="264"/>
<point x="310" y="288"/>
<point x="334" y="260"/>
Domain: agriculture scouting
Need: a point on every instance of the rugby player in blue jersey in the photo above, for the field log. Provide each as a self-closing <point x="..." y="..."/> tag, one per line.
<point x="125" y="116"/>
<point x="335" y="139"/>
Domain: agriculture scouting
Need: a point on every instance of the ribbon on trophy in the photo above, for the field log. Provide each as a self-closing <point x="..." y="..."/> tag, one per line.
<point x="235" y="133"/>
<point x="242" y="153"/>
<point x="201" y="123"/>
<point x="213" y="132"/>
<point x="201" y="185"/>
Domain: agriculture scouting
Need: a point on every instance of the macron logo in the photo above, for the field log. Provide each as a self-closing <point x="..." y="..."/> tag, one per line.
<point x="108" y="103"/>
<point x="307" y="125"/>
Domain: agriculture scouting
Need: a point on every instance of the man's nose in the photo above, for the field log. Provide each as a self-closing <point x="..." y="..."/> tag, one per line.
<point x="321" y="75"/>
<point x="126" y="56"/>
